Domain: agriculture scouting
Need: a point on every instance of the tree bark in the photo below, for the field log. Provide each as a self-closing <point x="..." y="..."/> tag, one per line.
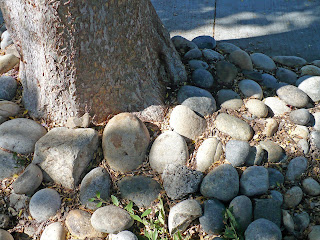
<point x="97" y="56"/>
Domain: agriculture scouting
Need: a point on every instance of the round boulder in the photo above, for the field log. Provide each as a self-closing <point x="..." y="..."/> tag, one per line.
<point x="262" y="229"/>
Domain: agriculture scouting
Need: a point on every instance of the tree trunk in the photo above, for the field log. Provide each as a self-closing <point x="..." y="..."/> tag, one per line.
<point x="97" y="56"/>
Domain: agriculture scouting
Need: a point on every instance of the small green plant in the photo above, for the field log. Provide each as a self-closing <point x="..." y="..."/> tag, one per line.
<point x="231" y="230"/>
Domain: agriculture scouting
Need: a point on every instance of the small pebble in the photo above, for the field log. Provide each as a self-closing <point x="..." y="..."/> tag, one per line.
<point x="271" y="127"/>
<point x="300" y="116"/>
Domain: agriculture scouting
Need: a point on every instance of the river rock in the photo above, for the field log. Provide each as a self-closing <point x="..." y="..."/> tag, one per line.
<point x="293" y="197"/>
<point x="202" y="78"/>
<point x="316" y="63"/>
<point x="212" y="218"/>
<point x="44" y="204"/>
<point x="288" y="221"/>
<point x="183" y="44"/>
<point x="124" y="235"/>
<point x="315" y="233"/>
<point x="221" y="183"/>
<point x="193" y="54"/>
<point x="7" y="62"/>
<point x="242" y="211"/>
<point x="304" y="145"/>
<point x="196" y="64"/>
<point x="141" y="190"/>
<point x="9" y="165"/>
<point x="315" y="138"/>
<point x="234" y="127"/>
<point x="263" y="62"/>
<point x="227" y="47"/>
<point x="253" y="75"/>
<point x="229" y="99"/>
<point x="18" y="202"/>
<point x="168" y="148"/>
<point x="28" y="181"/>
<point x="125" y="141"/>
<point x="241" y="59"/>
<point x="209" y="152"/>
<point x="63" y="154"/>
<point x="226" y="72"/>
<point x="203" y="106"/>
<point x="275" y="152"/>
<point x="250" y="88"/>
<point x="254" y="181"/>
<point x="237" y="152"/>
<point x="26" y="133"/>
<point x="8" y="109"/>
<point x="276" y="195"/>
<point x="316" y="117"/>
<point x="311" y="186"/>
<point x="286" y="75"/>
<point x="178" y="181"/>
<point x="211" y="55"/>
<point x="271" y="127"/>
<point x="4" y="235"/>
<point x="290" y="61"/>
<point x="300" y="132"/>
<point x="311" y="87"/>
<point x="182" y="214"/>
<point x="187" y="91"/>
<point x="293" y="96"/>
<point x="300" y="116"/>
<point x="296" y="168"/>
<point x="186" y="122"/>
<point x="8" y="87"/>
<point x="255" y="157"/>
<point x="111" y="219"/>
<point x="79" y="225"/>
<point x="75" y="122"/>
<point x="276" y="178"/>
<point x="205" y="42"/>
<point x="263" y="229"/>
<point x="54" y="231"/>
<point x="269" y="81"/>
<point x="301" y="221"/>
<point x="268" y="209"/>
<point x="257" y="108"/>
<point x="310" y="70"/>
<point x="97" y="180"/>
<point x="276" y="105"/>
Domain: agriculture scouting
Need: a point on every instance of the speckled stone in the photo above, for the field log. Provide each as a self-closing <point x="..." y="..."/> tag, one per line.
<point x="293" y="96"/>
<point x="257" y="108"/>
<point x="300" y="116"/>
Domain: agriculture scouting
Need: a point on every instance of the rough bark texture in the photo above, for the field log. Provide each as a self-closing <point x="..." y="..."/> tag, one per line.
<point x="97" y="56"/>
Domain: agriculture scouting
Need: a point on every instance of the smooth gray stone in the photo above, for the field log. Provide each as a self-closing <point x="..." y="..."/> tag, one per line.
<point x="290" y="61"/>
<point x="301" y="221"/>
<point x="269" y="209"/>
<point x="209" y="152"/>
<point x="301" y="79"/>
<point x="254" y="181"/>
<point x="195" y="64"/>
<point x="4" y="220"/>
<point x="8" y="109"/>
<point x="311" y="186"/>
<point x="234" y="127"/>
<point x="257" y="108"/>
<point x="255" y="157"/>
<point x="296" y="168"/>
<point x="205" y="42"/>
<point x="212" y="219"/>
<point x="9" y="165"/>
<point x="250" y="88"/>
<point x="269" y="81"/>
<point x="193" y="54"/>
<point x="125" y="142"/>
<point x="186" y="122"/>
<point x="183" y="44"/>
<point x="44" y="204"/>
<point x="226" y="72"/>
<point x="141" y="190"/>
<point x="204" y="106"/>
<point x="293" y="197"/>
<point x="311" y="87"/>
<point x="310" y="70"/>
<point x="79" y="225"/>
<point x="275" y="152"/>
<point x="288" y="221"/>
<point x="124" y="235"/>
<point x="276" y="196"/>
<point x="182" y="214"/>
<point x="234" y="104"/>
<point x="227" y="47"/>
<point x="221" y="183"/>
<point x="202" y="78"/>
<point x="276" y="105"/>
<point x="225" y="95"/>
<point x="54" y="231"/>
<point x="211" y="55"/>
<point x="263" y="229"/>
<point x="315" y="138"/>
<point x="237" y="152"/>
<point x="253" y="75"/>
<point x="315" y="233"/>
<point x="28" y="181"/>
<point x="4" y="235"/>
<point x="241" y="59"/>
<point x="276" y="178"/>
<point x="97" y="180"/>
<point x="179" y="181"/>
<point x="111" y="219"/>
<point x="293" y="96"/>
<point x="286" y="75"/>
<point x="187" y="91"/>
<point x="316" y="63"/>
<point x="242" y="211"/>
<point x="8" y="87"/>
<point x="71" y="149"/>
<point x="300" y="116"/>
<point x="263" y="62"/>
<point x="169" y="147"/>
<point x="20" y="135"/>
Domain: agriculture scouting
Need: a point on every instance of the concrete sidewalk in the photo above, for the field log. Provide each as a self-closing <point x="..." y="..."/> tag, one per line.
<point x="273" y="27"/>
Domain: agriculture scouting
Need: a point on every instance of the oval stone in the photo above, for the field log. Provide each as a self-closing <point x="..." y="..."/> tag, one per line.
<point x="257" y="108"/>
<point x="254" y="181"/>
<point x="263" y="62"/>
<point x="241" y="59"/>
<point x="209" y="152"/>
<point x="293" y="96"/>
<point x="8" y="109"/>
<point x="311" y="86"/>
<point x="310" y="70"/>
<point x="263" y="229"/>
<point x="250" y="88"/>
